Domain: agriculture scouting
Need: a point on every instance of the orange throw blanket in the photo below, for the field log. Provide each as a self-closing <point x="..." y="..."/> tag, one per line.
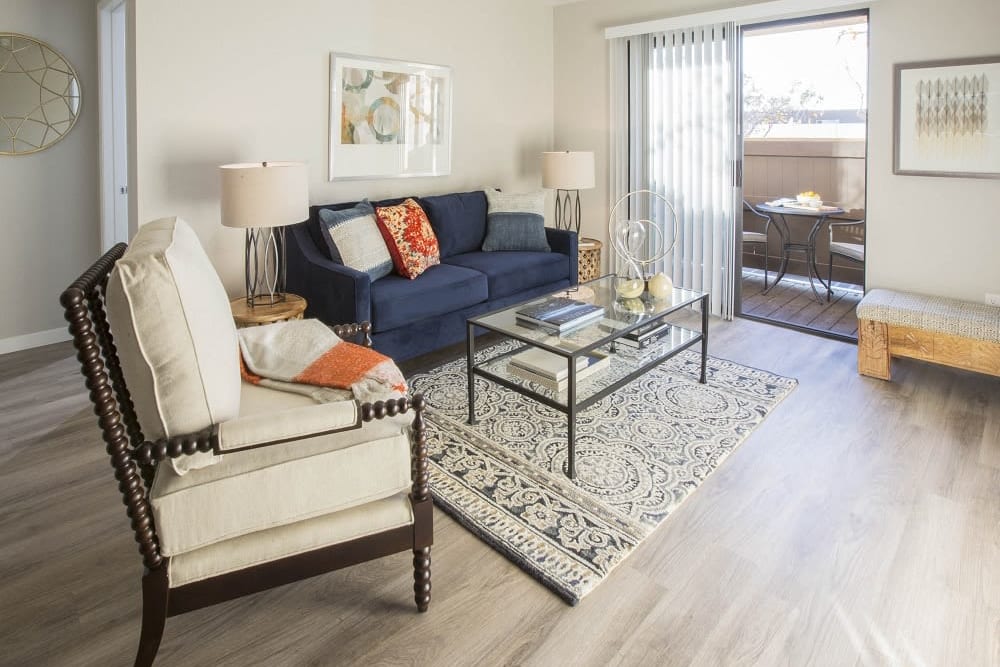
<point x="288" y="355"/>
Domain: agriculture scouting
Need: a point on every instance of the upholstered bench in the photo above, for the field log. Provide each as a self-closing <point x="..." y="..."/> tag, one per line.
<point x="936" y="329"/>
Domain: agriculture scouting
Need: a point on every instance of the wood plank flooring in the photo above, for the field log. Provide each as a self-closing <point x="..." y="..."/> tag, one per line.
<point x="792" y="302"/>
<point x="859" y="525"/>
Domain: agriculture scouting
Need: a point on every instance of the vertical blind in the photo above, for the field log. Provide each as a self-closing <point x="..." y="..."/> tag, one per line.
<point x="674" y="132"/>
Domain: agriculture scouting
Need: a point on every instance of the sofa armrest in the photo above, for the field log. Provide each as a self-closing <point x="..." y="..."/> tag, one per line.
<point x="335" y="293"/>
<point x="565" y="242"/>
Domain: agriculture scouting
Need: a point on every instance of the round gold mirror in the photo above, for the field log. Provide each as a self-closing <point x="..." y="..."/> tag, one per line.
<point x="40" y="95"/>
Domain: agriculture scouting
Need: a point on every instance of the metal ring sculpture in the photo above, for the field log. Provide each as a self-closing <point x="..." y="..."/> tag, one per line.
<point x="630" y="237"/>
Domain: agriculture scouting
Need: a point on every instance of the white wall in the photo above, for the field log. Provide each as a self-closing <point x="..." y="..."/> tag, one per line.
<point x="49" y="205"/>
<point x="245" y="80"/>
<point x="906" y="214"/>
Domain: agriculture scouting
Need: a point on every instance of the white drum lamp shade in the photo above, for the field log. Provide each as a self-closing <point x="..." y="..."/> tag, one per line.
<point x="264" y="194"/>
<point x="568" y="170"/>
<point x="263" y="198"/>
<point x="565" y="172"/>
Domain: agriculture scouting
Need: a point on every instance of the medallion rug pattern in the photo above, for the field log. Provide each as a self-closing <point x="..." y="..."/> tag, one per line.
<point x="640" y="452"/>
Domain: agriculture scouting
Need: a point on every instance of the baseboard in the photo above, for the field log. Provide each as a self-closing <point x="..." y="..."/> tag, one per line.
<point x="27" y="341"/>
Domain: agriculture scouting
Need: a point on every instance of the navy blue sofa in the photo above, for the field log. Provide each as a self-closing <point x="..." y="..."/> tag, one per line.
<point x="412" y="317"/>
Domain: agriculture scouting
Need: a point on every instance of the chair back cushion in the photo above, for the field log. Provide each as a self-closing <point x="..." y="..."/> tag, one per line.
<point x="459" y="221"/>
<point x="174" y="331"/>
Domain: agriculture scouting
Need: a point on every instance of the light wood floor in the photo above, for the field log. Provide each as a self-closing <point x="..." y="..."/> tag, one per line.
<point x="793" y="302"/>
<point x="859" y="525"/>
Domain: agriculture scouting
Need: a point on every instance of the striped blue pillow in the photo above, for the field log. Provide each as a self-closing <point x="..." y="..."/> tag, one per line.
<point x="515" y="222"/>
<point x="355" y="240"/>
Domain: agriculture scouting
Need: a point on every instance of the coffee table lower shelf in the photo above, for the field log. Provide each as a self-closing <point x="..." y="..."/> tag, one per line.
<point x="626" y="365"/>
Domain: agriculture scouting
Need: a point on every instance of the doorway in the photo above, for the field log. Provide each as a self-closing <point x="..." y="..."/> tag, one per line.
<point x="112" y="38"/>
<point x="804" y="98"/>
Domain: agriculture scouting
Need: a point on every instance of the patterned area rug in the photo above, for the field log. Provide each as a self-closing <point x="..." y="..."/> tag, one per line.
<point x="640" y="452"/>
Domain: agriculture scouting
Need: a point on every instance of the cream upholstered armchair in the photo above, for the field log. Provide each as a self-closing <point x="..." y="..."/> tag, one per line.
<point x="233" y="488"/>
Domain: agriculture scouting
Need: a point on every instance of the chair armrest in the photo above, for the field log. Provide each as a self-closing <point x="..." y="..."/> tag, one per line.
<point x="567" y="243"/>
<point x="210" y="439"/>
<point x="274" y="428"/>
<point x="335" y="293"/>
<point x="354" y="329"/>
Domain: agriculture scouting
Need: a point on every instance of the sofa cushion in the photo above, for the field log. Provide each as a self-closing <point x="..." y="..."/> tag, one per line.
<point x="512" y="272"/>
<point x="317" y="230"/>
<point x="515" y="222"/>
<point x="277" y="485"/>
<point x="409" y="236"/>
<point x="459" y="220"/>
<point x="355" y="241"/>
<point x="175" y="334"/>
<point x="397" y="301"/>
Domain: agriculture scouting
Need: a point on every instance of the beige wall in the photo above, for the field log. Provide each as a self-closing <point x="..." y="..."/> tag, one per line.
<point x="238" y="80"/>
<point x="905" y="213"/>
<point x="49" y="206"/>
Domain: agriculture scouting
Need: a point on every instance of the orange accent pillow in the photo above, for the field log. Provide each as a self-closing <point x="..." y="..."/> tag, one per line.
<point x="409" y="236"/>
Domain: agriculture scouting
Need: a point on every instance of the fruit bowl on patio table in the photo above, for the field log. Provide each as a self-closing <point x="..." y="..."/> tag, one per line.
<point x="809" y="198"/>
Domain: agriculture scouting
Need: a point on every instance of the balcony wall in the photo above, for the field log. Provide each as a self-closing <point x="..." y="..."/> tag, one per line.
<point x="835" y="168"/>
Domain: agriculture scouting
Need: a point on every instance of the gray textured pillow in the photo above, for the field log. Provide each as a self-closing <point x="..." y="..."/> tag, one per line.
<point x="515" y="222"/>
<point x="355" y="240"/>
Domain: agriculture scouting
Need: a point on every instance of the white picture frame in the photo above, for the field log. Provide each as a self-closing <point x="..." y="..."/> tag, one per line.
<point x="947" y="118"/>
<point x="388" y="118"/>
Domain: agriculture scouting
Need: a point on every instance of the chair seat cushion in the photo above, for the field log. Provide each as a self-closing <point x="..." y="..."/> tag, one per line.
<point x="291" y="539"/>
<point x="397" y="301"/>
<point x="855" y="251"/>
<point x="508" y="273"/>
<point x="281" y="484"/>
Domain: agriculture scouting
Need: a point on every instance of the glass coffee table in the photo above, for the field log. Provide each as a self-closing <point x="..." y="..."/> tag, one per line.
<point x="626" y="363"/>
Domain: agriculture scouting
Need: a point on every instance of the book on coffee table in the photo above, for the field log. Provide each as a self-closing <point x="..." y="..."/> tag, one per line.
<point x="551" y="370"/>
<point x="559" y="314"/>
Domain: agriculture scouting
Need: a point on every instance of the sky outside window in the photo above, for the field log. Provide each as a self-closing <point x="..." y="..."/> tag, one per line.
<point x="806" y="82"/>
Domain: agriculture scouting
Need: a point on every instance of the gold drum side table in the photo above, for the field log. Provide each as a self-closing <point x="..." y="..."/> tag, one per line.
<point x="589" y="258"/>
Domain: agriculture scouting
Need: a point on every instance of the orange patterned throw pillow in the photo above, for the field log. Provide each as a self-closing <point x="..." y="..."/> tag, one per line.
<point x="409" y="237"/>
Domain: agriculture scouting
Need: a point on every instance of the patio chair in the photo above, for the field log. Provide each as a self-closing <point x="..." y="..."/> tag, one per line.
<point x="850" y="247"/>
<point x="233" y="488"/>
<point x="760" y="238"/>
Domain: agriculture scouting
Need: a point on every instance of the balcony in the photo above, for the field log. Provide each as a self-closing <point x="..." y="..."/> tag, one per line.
<point x="835" y="168"/>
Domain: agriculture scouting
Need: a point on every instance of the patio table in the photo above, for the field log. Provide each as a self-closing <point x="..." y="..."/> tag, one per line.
<point x="818" y="216"/>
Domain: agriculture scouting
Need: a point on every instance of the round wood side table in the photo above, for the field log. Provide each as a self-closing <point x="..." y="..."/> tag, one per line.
<point x="292" y="308"/>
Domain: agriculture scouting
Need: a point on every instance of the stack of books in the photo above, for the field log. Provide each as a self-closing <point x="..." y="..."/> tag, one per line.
<point x="559" y="314"/>
<point x="646" y="335"/>
<point x="551" y="370"/>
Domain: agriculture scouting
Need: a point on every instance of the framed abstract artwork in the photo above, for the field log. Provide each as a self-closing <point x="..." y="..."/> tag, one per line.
<point x="947" y="118"/>
<point x="388" y="118"/>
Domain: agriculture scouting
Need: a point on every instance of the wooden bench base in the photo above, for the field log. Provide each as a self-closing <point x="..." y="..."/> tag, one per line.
<point x="878" y="342"/>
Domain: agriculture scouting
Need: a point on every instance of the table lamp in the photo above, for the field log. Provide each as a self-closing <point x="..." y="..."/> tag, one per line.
<point x="568" y="172"/>
<point x="262" y="198"/>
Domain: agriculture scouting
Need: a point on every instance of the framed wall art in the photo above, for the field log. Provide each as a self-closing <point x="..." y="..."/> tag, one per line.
<point x="388" y="118"/>
<point x="947" y="118"/>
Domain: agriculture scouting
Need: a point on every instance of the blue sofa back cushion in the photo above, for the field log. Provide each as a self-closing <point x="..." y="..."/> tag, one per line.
<point x="459" y="221"/>
<point x="441" y="289"/>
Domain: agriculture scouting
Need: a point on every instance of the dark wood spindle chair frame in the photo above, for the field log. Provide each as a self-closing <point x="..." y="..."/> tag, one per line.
<point x="134" y="461"/>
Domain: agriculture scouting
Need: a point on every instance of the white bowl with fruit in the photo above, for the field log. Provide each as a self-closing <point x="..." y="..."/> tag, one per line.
<point x="809" y="198"/>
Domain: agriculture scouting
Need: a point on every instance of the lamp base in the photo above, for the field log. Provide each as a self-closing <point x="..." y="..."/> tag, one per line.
<point x="568" y="210"/>
<point x="264" y="257"/>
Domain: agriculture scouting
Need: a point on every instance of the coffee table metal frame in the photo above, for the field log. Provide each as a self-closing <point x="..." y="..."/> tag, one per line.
<point x="598" y="339"/>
